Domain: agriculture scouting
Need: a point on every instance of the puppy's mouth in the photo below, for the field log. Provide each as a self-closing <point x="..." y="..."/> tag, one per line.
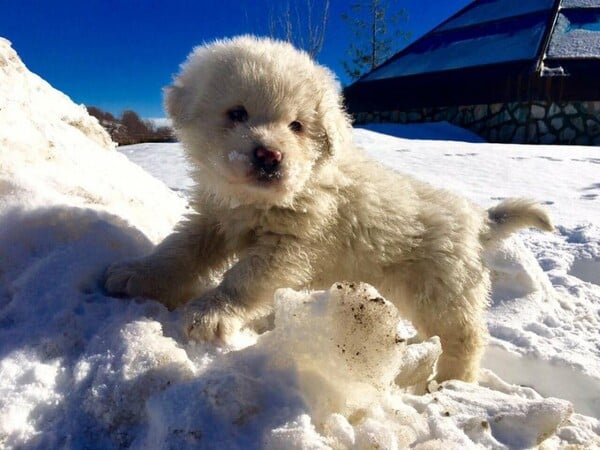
<point x="264" y="177"/>
<point x="267" y="165"/>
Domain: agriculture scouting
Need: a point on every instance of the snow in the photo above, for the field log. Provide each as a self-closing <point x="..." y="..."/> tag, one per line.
<point x="575" y="40"/>
<point x="170" y="165"/>
<point x="160" y="121"/>
<point x="79" y="369"/>
<point x="580" y="4"/>
<point x="42" y="137"/>
<point x="234" y="155"/>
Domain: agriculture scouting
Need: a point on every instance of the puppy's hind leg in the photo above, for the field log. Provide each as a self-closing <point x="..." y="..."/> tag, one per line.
<point x="459" y="323"/>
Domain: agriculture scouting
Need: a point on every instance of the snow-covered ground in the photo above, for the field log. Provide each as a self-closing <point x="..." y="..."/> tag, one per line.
<point x="79" y="369"/>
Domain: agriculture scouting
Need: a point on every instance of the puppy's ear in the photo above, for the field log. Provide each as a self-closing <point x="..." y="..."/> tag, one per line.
<point x="177" y="104"/>
<point x="337" y="126"/>
<point x="335" y="121"/>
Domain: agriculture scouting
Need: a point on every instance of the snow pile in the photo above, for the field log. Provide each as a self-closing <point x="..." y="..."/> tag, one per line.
<point x="53" y="152"/>
<point x="27" y="102"/>
<point x="323" y="378"/>
<point x="339" y="369"/>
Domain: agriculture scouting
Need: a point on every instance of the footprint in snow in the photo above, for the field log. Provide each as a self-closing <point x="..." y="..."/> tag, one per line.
<point x="591" y="187"/>
<point x="591" y="160"/>
<point x="586" y="269"/>
<point x="550" y="158"/>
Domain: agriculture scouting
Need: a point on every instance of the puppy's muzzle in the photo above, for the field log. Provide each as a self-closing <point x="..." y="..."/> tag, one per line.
<point x="267" y="163"/>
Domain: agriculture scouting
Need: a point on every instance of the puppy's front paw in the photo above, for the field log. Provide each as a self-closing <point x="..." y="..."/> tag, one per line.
<point x="127" y="279"/>
<point x="211" y="317"/>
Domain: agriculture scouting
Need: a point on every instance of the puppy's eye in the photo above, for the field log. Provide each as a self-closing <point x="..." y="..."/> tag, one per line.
<point x="296" y="126"/>
<point x="238" y="114"/>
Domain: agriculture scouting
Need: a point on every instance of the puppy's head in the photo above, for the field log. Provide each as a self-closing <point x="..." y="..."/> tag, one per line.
<point x="260" y="118"/>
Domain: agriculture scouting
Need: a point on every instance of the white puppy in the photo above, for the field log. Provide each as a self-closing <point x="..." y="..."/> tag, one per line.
<point x="284" y="199"/>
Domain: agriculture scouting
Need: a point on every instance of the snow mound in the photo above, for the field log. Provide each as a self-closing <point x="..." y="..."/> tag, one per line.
<point x="302" y="385"/>
<point x="515" y="272"/>
<point x="26" y="101"/>
<point x="353" y="330"/>
<point x="544" y="320"/>
<point x="54" y="153"/>
<point x="586" y="262"/>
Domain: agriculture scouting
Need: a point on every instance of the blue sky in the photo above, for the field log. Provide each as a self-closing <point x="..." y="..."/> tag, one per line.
<point x="119" y="54"/>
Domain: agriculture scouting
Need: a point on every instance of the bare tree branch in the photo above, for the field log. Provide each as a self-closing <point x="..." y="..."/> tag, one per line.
<point x="304" y="25"/>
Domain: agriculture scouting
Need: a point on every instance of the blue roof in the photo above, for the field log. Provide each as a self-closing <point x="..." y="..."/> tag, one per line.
<point x="491" y="10"/>
<point x="489" y="32"/>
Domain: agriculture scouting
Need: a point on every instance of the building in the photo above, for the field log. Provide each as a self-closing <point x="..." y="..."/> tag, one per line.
<point x="523" y="71"/>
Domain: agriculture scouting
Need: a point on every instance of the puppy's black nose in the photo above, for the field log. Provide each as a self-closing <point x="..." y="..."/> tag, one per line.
<point x="266" y="159"/>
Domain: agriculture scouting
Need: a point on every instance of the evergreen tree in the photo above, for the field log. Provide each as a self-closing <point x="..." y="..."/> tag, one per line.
<point x="376" y="26"/>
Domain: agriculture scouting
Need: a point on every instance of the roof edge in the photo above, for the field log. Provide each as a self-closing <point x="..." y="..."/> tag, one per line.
<point x="542" y="51"/>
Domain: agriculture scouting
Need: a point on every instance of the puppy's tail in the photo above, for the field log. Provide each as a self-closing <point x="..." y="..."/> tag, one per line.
<point x="515" y="213"/>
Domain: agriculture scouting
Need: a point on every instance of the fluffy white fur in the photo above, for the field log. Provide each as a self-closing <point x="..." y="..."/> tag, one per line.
<point x="327" y="214"/>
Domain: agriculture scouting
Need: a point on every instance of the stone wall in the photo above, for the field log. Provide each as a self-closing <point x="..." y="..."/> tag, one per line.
<point x="523" y="123"/>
